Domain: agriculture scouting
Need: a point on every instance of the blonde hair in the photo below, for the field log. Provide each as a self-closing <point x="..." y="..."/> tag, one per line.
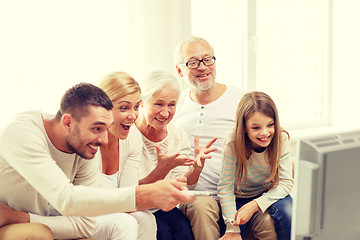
<point x="249" y="104"/>
<point x="119" y="84"/>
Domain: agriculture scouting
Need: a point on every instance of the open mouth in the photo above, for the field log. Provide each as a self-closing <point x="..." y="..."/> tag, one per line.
<point x="202" y="75"/>
<point x="264" y="139"/>
<point x="126" y="126"/>
<point x="93" y="147"/>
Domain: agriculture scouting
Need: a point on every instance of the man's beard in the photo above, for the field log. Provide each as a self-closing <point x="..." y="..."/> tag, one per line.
<point x="74" y="150"/>
<point x="202" y="86"/>
<point x="75" y="138"/>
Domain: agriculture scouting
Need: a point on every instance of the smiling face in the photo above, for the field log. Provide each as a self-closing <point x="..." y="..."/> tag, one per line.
<point x="125" y="112"/>
<point x="260" y="129"/>
<point x="86" y="135"/>
<point x="161" y="107"/>
<point x="203" y="77"/>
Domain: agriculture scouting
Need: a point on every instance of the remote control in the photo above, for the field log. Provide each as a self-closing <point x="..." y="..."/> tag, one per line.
<point x="199" y="193"/>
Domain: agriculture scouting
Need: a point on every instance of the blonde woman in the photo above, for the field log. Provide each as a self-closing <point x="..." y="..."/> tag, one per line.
<point x="120" y="159"/>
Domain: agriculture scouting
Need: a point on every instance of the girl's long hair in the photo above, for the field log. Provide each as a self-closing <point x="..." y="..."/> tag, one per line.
<point x="249" y="104"/>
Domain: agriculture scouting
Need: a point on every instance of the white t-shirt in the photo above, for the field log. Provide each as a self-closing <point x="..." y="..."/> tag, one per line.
<point x="208" y="121"/>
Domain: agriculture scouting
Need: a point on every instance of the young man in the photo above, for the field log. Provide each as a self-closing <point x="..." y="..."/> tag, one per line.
<point x="207" y="109"/>
<point x="47" y="177"/>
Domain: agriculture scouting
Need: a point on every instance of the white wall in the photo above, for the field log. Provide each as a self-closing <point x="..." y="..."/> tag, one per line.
<point x="48" y="46"/>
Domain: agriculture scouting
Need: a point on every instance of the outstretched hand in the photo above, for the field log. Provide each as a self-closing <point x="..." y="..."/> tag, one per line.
<point x="201" y="153"/>
<point x="163" y="194"/>
<point x="171" y="161"/>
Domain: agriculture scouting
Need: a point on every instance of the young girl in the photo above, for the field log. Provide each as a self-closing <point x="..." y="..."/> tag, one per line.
<point x="256" y="173"/>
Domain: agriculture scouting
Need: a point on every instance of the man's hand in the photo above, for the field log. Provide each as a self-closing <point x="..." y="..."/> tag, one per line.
<point x="163" y="194"/>
<point x="231" y="236"/>
<point x="244" y="214"/>
<point x="201" y="153"/>
<point x="11" y="216"/>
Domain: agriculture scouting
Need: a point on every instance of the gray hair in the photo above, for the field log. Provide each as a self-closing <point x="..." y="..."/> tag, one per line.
<point x="155" y="81"/>
<point x="178" y="52"/>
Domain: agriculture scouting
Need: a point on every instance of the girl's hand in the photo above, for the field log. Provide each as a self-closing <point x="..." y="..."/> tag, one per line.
<point x="202" y="153"/>
<point x="171" y="161"/>
<point x="244" y="214"/>
<point x="231" y="236"/>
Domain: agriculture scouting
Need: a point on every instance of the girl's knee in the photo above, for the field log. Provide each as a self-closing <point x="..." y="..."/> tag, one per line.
<point x="286" y="208"/>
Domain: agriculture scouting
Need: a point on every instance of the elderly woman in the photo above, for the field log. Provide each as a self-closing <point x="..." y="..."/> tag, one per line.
<point x="120" y="160"/>
<point x="166" y="148"/>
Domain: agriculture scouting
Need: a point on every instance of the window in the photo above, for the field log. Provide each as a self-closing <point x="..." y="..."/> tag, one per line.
<point x="280" y="47"/>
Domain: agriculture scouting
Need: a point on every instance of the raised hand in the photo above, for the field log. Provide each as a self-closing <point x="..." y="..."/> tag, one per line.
<point x="171" y="161"/>
<point x="165" y="163"/>
<point x="201" y="153"/>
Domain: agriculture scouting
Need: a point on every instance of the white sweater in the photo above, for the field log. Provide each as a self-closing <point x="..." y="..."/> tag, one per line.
<point x="36" y="177"/>
<point x="175" y="142"/>
<point x="130" y="155"/>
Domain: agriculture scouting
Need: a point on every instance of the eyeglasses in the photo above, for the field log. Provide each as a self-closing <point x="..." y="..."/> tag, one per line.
<point x="196" y="63"/>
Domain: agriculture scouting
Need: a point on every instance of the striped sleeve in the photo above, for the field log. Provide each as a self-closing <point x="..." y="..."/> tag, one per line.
<point x="225" y="187"/>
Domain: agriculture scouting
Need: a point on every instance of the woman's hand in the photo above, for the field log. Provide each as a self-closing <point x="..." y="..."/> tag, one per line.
<point x="171" y="161"/>
<point x="231" y="236"/>
<point x="244" y="214"/>
<point x="201" y="153"/>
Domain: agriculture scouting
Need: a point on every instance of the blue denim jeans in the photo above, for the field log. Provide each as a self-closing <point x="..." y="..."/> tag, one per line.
<point x="280" y="211"/>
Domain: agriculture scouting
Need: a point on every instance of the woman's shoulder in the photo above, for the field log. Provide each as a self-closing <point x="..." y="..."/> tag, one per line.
<point x="175" y="130"/>
<point x="177" y="135"/>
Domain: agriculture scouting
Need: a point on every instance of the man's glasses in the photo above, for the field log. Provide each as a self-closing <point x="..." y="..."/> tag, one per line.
<point x="196" y="63"/>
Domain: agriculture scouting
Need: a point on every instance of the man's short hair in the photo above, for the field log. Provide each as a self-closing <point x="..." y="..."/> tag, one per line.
<point x="178" y="52"/>
<point x="77" y="100"/>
